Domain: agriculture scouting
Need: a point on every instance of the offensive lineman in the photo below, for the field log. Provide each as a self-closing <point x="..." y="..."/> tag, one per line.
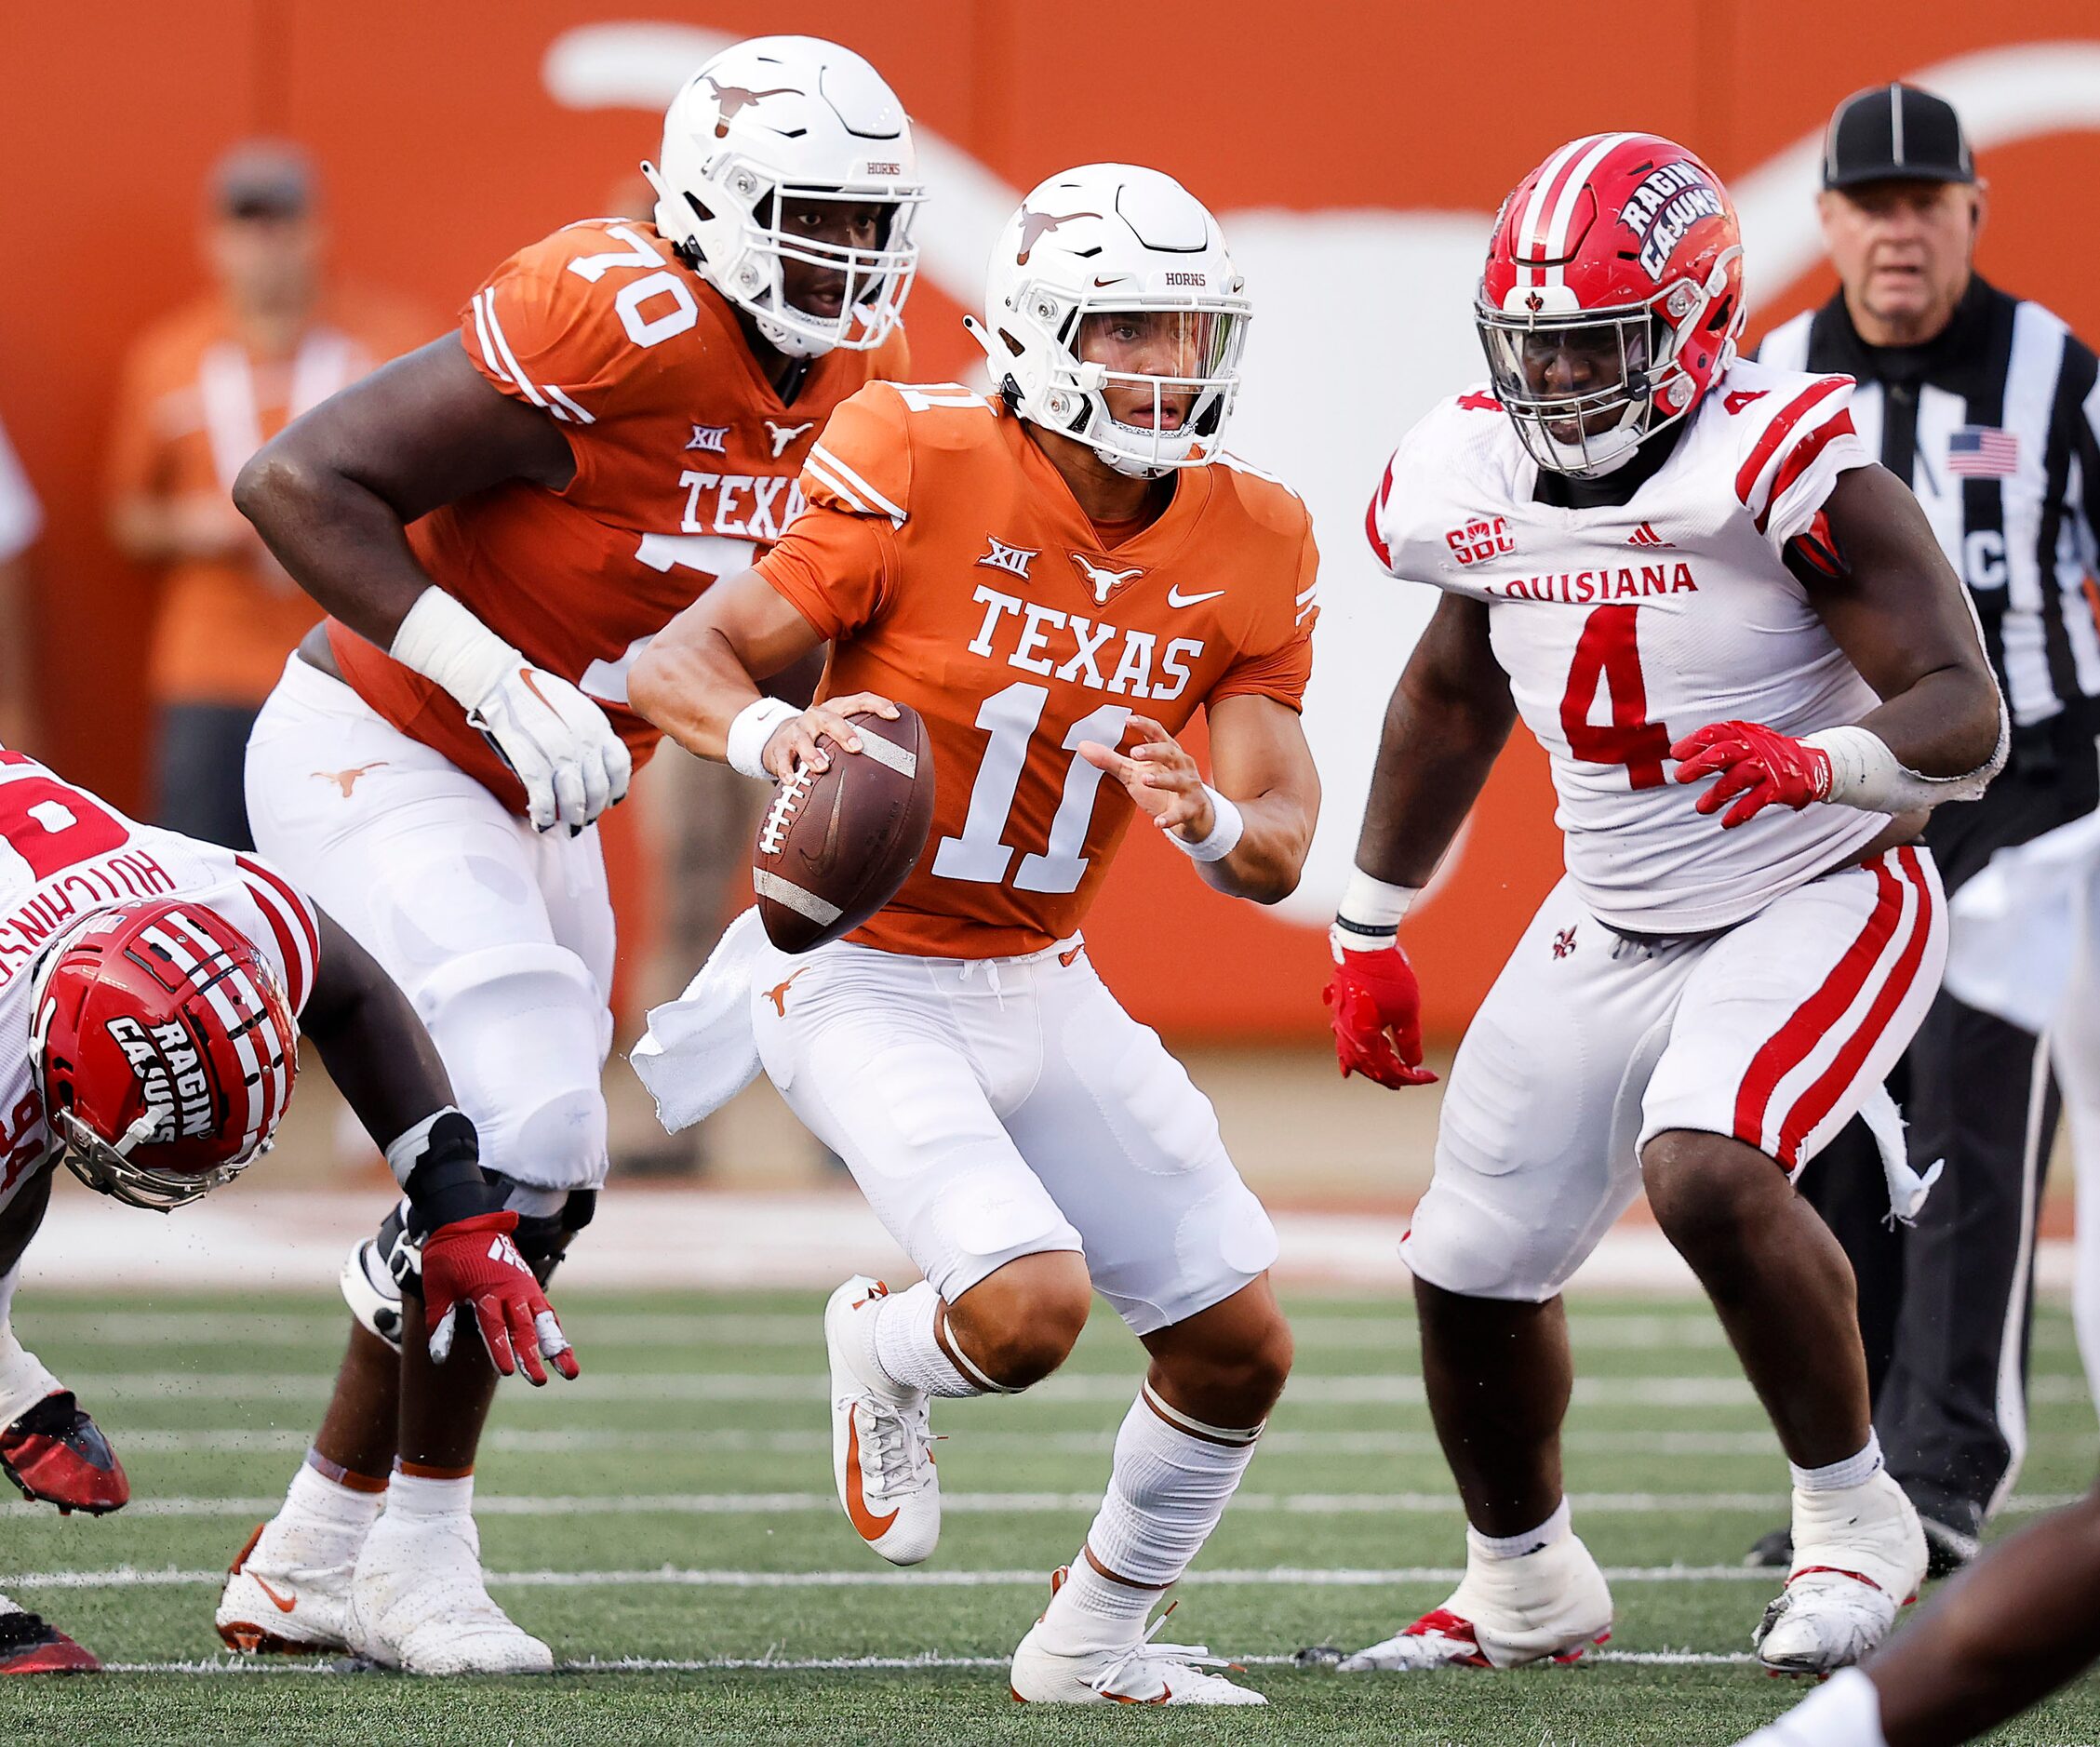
<point x="1657" y="554"/>
<point x="1045" y="574"/>
<point x="152" y="990"/>
<point x="620" y="419"/>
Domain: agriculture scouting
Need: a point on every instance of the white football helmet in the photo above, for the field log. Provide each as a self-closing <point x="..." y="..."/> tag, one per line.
<point x="781" y="118"/>
<point x="1103" y="240"/>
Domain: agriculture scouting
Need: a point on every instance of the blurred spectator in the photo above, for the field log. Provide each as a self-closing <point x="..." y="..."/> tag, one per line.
<point x="202" y="391"/>
<point x="21" y="519"/>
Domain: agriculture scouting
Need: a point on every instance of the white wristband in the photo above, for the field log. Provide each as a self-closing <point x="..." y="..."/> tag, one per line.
<point x="1226" y="829"/>
<point x="1373" y="904"/>
<point x="443" y="641"/>
<point x="751" y="729"/>
<point x="1865" y="774"/>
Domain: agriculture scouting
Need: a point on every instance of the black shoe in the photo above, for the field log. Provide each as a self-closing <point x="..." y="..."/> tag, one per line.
<point x="1946" y="1548"/>
<point x="1772" y="1552"/>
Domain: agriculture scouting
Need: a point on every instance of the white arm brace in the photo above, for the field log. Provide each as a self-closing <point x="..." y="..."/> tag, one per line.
<point x="1865" y="774"/>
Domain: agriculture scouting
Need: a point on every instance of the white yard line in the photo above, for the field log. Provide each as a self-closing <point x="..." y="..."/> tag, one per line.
<point x="1037" y="1504"/>
<point x="675" y="1577"/>
<point x="821" y="1664"/>
<point x="1401" y="1390"/>
<point x="270" y="1240"/>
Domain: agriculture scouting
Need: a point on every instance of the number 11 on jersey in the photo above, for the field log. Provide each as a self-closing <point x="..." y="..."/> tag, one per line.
<point x="1010" y="718"/>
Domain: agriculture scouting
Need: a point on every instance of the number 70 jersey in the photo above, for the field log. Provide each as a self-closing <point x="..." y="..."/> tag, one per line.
<point x="1624" y="629"/>
<point x="951" y="569"/>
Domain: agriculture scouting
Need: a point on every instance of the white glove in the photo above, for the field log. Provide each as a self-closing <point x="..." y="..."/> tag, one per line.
<point x="556" y="740"/>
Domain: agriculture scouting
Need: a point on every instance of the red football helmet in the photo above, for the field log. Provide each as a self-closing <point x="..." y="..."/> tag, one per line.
<point x="165" y="1050"/>
<point x="1611" y="299"/>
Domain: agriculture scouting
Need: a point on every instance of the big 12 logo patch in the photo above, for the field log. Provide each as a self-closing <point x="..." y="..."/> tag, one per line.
<point x="1481" y="540"/>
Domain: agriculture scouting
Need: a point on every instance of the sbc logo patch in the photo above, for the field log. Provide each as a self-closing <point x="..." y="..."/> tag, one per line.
<point x="1481" y="540"/>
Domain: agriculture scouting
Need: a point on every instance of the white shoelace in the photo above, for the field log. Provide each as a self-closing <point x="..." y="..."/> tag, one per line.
<point x="900" y="1438"/>
<point x="1190" y="1656"/>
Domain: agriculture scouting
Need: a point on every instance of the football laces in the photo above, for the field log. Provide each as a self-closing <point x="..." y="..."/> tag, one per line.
<point x="772" y="833"/>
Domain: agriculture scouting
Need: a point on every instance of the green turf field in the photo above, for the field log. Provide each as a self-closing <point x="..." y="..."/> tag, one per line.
<point x="667" y="1524"/>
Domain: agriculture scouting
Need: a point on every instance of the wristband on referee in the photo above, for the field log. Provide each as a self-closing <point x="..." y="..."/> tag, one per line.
<point x="1228" y="827"/>
<point x="1371" y="909"/>
<point x="751" y="729"/>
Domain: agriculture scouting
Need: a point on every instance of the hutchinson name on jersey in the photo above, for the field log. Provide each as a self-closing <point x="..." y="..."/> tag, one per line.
<point x="1624" y="627"/>
<point x="945" y="558"/>
<point x="686" y="470"/>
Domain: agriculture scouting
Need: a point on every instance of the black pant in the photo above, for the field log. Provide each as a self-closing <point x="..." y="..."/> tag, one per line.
<point x="1946" y="1304"/>
<point x="199" y="753"/>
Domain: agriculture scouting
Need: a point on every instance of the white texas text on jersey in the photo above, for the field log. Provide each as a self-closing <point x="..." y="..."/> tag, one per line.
<point x="1624" y="629"/>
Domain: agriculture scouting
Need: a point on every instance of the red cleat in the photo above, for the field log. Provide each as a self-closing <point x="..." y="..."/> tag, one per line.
<point x="56" y="1453"/>
<point x="28" y="1646"/>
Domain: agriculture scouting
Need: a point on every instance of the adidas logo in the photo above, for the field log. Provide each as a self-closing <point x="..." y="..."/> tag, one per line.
<point x="1645" y="535"/>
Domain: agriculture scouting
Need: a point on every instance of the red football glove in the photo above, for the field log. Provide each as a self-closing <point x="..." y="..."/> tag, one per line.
<point x="1765" y="767"/>
<point x="473" y="1264"/>
<point x="1374" y="1006"/>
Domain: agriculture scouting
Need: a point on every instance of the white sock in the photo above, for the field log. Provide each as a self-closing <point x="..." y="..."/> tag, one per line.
<point x="1557" y="1528"/>
<point x="901" y="1346"/>
<point x="312" y="1497"/>
<point x="1854" y="1470"/>
<point x="1844" y="1711"/>
<point x="427" y="1495"/>
<point x="1172" y="1479"/>
<point x="23" y="1380"/>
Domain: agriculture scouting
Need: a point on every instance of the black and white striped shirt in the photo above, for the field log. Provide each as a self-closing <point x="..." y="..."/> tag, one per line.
<point x="1995" y="424"/>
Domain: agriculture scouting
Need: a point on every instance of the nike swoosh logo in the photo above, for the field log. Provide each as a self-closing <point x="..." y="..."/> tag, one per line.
<point x="872" y="1527"/>
<point x="285" y="1603"/>
<point x="1176" y="598"/>
<point x="1066" y="958"/>
<point x="532" y="686"/>
<point x="821" y="862"/>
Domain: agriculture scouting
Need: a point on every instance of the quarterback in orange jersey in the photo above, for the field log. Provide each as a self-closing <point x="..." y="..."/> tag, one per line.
<point x="498" y="524"/>
<point x="1055" y="578"/>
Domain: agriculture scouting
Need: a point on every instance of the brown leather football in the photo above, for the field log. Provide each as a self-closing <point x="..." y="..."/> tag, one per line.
<point x="835" y="845"/>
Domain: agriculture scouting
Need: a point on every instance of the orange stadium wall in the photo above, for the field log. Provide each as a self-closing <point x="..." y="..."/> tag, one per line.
<point x="1354" y="153"/>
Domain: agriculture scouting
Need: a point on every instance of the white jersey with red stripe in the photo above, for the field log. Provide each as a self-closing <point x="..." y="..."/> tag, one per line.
<point x="1625" y="629"/>
<point x="66" y="854"/>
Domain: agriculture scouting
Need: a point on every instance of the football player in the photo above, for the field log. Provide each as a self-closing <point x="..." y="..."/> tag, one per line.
<point x="1754" y="674"/>
<point x="1056" y="577"/>
<point x="499" y="522"/>
<point x="152" y="989"/>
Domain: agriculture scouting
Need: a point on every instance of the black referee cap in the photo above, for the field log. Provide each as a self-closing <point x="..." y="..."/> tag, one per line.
<point x="1890" y="130"/>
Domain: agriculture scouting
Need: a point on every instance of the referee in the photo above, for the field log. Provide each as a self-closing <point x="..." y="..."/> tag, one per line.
<point x="1987" y="404"/>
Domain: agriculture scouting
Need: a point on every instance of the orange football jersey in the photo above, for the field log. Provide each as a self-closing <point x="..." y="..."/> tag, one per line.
<point x="686" y="470"/>
<point x="950" y="565"/>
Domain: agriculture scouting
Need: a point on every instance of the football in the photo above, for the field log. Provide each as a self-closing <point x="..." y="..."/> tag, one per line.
<point x="835" y="845"/>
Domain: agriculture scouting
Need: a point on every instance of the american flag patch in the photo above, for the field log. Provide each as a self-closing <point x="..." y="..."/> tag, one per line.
<point x="1983" y="451"/>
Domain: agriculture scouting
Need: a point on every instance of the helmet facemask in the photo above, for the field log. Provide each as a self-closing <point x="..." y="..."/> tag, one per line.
<point x="1585" y="388"/>
<point x="751" y="271"/>
<point x="1178" y="379"/>
<point x="106" y="1167"/>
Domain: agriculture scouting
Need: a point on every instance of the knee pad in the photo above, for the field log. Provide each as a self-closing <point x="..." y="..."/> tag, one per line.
<point x="523" y="1030"/>
<point x="378" y="1267"/>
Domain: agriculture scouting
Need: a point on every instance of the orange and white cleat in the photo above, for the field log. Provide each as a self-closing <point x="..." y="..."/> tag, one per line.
<point x="881" y="1438"/>
<point x="57" y="1455"/>
<point x="284" y="1598"/>
<point x="31" y="1644"/>
<point x="1144" y="1672"/>
<point x="1548" y="1606"/>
